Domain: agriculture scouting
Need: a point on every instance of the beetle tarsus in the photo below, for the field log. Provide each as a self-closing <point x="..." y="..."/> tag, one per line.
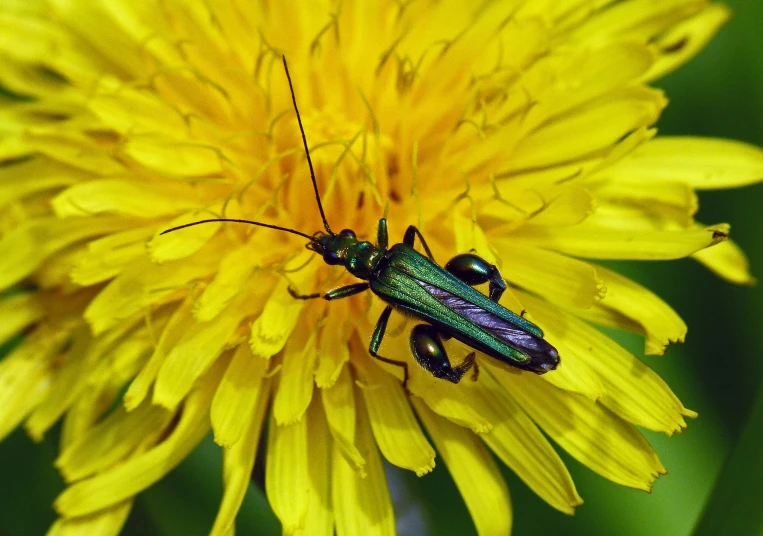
<point x="476" y="370"/>
<point x="297" y="296"/>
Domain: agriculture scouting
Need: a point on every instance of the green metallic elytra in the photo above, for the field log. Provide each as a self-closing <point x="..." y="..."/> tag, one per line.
<point x="400" y="285"/>
<point x="417" y="286"/>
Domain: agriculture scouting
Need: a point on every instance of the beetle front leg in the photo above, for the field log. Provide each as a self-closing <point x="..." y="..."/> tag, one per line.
<point x="410" y="236"/>
<point x="474" y="270"/>
<point x="346" y="291"/>
<point x="336" y="294"/>
<point x="429" y="352"/>
<point x="376" y="340"/>
<point x="297" y="296"/>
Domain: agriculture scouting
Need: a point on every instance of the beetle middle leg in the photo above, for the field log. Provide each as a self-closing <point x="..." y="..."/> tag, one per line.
<point x="427" y="348"/>
<point x="474" y="270"/>
<point x="410" y="236"/>
<point x="376" y="340"/>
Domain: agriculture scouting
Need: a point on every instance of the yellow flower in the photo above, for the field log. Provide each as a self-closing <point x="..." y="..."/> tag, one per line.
<point x="519" y="129"/>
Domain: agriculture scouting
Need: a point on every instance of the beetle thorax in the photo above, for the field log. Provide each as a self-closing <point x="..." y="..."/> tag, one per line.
<point x="362" y="258"/>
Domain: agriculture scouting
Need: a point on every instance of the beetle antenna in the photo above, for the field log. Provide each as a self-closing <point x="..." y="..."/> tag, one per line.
<point x="250" y="222"/>
<point x="307" y="151"/>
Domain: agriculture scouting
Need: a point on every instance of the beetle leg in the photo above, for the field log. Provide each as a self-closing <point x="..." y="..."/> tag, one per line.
<point x="381" y="234"/>
<point x="376" y="340"/>
<point x="296" y="296"/>
<point x="336" y="294"/>
<point x="475" y="371"/>
<point x="410" y="236"/>
<point x="474" y="270"/>
<point x="346" y="291"/>
<point x="497" y="285"/>
<point x="429" y="352"/>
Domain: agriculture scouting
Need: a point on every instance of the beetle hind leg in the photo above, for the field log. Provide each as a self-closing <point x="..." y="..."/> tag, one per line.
<point x="429" y="352"/>
<point x="474" y="270"/>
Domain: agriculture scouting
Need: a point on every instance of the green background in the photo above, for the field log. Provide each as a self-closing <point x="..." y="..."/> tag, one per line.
<point x="715" y="480"/>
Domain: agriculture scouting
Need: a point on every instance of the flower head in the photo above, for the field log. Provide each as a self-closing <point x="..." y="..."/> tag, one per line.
<point x="522" y="130"/>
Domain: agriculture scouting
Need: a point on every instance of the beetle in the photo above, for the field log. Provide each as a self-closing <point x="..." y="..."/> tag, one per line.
<point x="415" y="285"/>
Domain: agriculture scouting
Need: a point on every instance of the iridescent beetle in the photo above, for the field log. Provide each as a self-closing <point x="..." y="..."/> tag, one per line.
<point x="414" y="284"/>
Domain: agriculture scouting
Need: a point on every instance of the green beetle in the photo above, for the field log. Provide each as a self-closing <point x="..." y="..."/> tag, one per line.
<point x="415" y="285"/>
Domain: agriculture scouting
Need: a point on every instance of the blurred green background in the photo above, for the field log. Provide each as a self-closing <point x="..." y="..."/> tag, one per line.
<point x="714" y="485"/>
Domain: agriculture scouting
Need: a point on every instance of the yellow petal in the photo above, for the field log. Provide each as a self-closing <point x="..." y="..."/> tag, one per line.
<point x="339" y="405"/>
<point x="137" y="473"/>
<point x="123" y="196"/>
<point x="639" y="20"/>
<point x="237" y="395"/>
<point x="394" y="425"/>
<point x="469" y="236"/>
<point x="176" y="327"/>
<point x="45" y="44"/>
<point x="474" y="470"/>
<point x="194" y="352"/>
<point x="142" y="284"/>
<point x="319" y="520"/>
<point x="175" y="158"/>
<point x="287" y="479"/>
<point x="238" y="462"/>
<point x="462" y="403"/>
<point x="26" y="247"/>
<point x="588" y="129"/>
<point x="361" y="505"/>
<point x="520" y="445"/>
<point x="702" y="163"/>
<point x="584" y="74"/>
<point x="107" y="257"/>
<point x="574" y="375"/>
<point x="233" y="273"/>
<point x="728" y="261"/>
<point x="181" y="244"/>
<point x="25" y="376"/>
<point x="648" y="402"/>
<point x="609" y="318"/>
<point x="111" y="440"/>
<point x="18" y="312"/>
<point x="596" y="242"/>
<point x="104" y="522"/>
<point x="661" y="323"/>
<point x="295" y="390"/>
<point x="131" y="110"/>
<point x="556" y="277"/>
<point x="684" y="40"/>
<point x="35" y="175"/>
<point x="565" y="206"/>
<point x="21" y="80"/>
<point x="193" y="95"/>
<point x="666" y="200"/>
<point x="92" y="24"/>
<point x="588" y="431"/>
<point x="77" y="150"/>
<point x="333" y="349"/>
<point x="272" y="328"/>
<point x="72" y="377"/>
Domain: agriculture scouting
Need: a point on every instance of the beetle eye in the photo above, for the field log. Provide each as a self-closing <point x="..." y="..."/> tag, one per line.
<point x="332" y="258"/>
<point x="347" y="232"/>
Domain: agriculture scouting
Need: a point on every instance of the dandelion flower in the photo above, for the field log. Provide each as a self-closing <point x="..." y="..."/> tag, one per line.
<point x="522" y="130"/>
